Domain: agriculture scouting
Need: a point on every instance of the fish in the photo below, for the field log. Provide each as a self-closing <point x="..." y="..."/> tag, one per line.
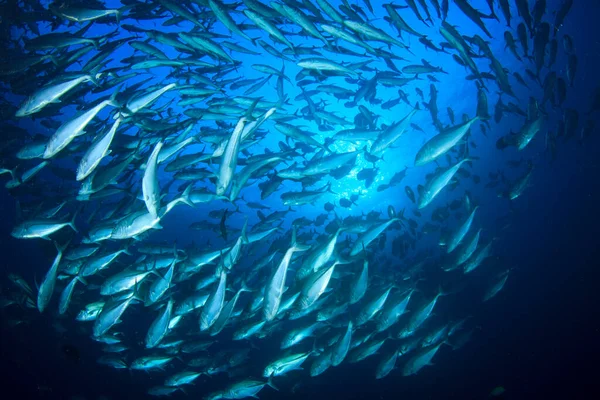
<point x="386" y="364"/>
<point x="274" y="288"/>
<point x="455" y="239"/>
<point x="372" y="307"/>
<point x="67" y="293"/>
<point x="477" y="258"/>
<point x="505" y="7"/>
<point x="496" y="286"/>
<point x="51" y="94"/>
<point x="562" y="13"/>
<point x="71" y="129"/>
<point x="314" y="287"/>
<point x="442" y="143"/>
<point x="182" y="378"/>
<point x="150" y="188"/>
<point x="419" y="317"/>
<point x="286" y="364"/>
<point x="160" y="326"/>
<point x="391" y="134"/>
<point x="222" y="14"/>
<point x="47" y="286"/>
<point x="473" y="15"/>
<point x="147" y="363"/>
<point x="323" y="65"/>
<point x="214" y="304"/>
<point x="417" y="362"/>
<point x="96" y="152"/>
<point x="524" y="12"/>
<point x="434" y="186"/>
<point x="392" y="312"/>
<point x="43" y="228"/>
<point x="369" y="236"/>
<point x="359" y="286"/>
<point x="110" y="316"/>
<point x="342" y="346"/>
<point x="240" y="390"/>
<point x="267" y="26"/>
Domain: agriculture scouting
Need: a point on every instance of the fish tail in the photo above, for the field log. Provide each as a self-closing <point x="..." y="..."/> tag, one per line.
<point x="270" y="383"/>
<point x="112" y="100"/>
<point x="53" y="59"/>
<point x="185" y="196"/>
<point x="245" y="287"/>
<point x="72" y="222"/>
<point x="61" y="249"/>
<point x="328" y="189"/>
<point x="136" y="294"/>
<point x="81" y="279"/>
<point x="243" y="235"/>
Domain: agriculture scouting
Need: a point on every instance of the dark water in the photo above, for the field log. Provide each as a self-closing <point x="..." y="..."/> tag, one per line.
<point x="538" y="338"/>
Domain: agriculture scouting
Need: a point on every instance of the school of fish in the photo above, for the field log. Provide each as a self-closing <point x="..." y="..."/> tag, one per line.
<point x="113" y="118"/>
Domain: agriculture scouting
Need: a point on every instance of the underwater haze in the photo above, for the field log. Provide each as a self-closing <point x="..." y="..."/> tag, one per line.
<point x="325" y="199"/>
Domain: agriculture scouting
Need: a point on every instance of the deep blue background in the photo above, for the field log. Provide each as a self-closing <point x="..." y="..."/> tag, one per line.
<point x="539" y="338"/>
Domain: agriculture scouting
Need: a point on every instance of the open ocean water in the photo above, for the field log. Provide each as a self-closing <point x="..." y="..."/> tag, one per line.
<point x="309" y="89"/>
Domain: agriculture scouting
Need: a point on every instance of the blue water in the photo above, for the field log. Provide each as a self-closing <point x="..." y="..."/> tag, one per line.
<point x="535" y="338"/>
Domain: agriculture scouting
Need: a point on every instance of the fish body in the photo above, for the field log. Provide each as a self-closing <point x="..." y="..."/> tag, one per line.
<point x="160" y="326"/>
<point x="442" y="143"/>
<point x="386" y="365"/>
<point x="110" y="316"/>
<point x="214" y="304"/>
<point x="150" y="188"/>
<point x="496" y="286"/>
<point x="285" y="364"/>
<point x="96" y="152"/>
<point x="39" y="228"/>
<point x="71" y="129"/>
<point x="391" y="134"/>
<point x="147" y="363"/>
<point x="65" y="297"/>
<point x="456" y="238"/>
<point x="561" y="15"/>
<point x="47" y="287"/>
<point x="314" y="287"/>
<point x="419" y="317"/>
<point x="417" y="362"/>
<point x="477" y="258"/>
<point x="49" y="94"/>
<point x="358" y="287"/>
<point x="369" y="236"/>
<point x="122" y="281"/>
<point x="275" y="286"/>
<point x="528" y="132"/>
<point x="371" y="308"/>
